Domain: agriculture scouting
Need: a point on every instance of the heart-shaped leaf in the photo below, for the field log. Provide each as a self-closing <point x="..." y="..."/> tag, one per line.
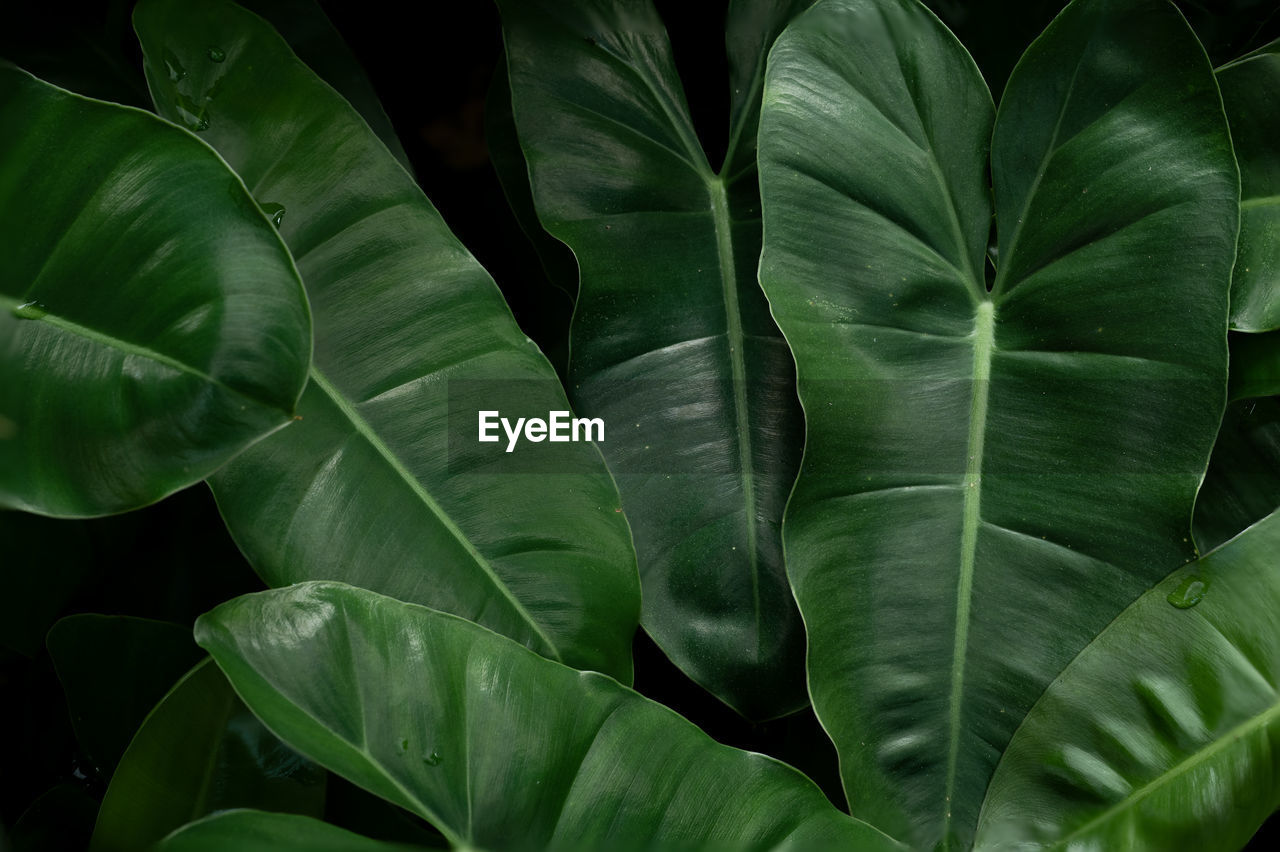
<point x="671" y="339"/>
<point x="498" y="748"/>
<point x="992" y="463"/>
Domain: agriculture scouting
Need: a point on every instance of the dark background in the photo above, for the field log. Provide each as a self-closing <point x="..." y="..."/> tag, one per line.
<point x="431" y="63"/>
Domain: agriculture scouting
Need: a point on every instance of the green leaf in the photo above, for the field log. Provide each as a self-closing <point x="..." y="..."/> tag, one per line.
<point x="1163" y="733"/>
<point x="671" y="341"/>
<point x="1242" y="485"/>
<point x="383" y="484"/>
<point x="200" y="751"/>
<point x="497" y="747"/>
<point x="140" y="283"/>
<point x="990" y="474"/>
<point x="1248" y="92"/>
<point x="256" y="831"/>
<point x="311" y="35"/>
<point x="114" y="669"/>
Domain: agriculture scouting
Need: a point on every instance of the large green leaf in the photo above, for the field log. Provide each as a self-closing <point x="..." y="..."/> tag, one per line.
<point x="200" y="751"/>
<point x="671" y="341"/>
<point x="151" y="322"/>
<point x="991" y="475"/>
<point x="497" y="747"/>
<point x="1165" y="732"/>
<point x="114" y="669"/>
<point x="258" y="831"/>
<point x="1249" y="88"/>
<point x="1242" y="485"/>
<point x="383" y="483"/>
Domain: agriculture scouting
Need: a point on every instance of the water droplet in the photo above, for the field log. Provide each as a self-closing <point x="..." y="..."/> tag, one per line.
<point x="174" y="67"/>
<point x="216" y="54"/>
<point x="1189" y="592"/>
<point x="432" y="759"/>
<point x="404" y="745"/>
<point x="275" y="211"/>
<point x="30" y="310"/>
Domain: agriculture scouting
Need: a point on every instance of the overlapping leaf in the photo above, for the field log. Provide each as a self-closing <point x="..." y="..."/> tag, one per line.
<point x="151" y="322"/>
<point x="499" y="748"/>
<point x="671" y="340"/>
<point x="988" y="467"/>
<point x="383" y="483"/>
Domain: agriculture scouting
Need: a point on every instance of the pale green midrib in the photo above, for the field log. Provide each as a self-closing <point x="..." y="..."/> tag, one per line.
<point x="365" y="431"/>
<point x="983" y="347"/>
<point x="1231" y="737"/>
<point x="1260" y="201"/>
<point x="141" y="351"/>
<point x="738" y="367"/>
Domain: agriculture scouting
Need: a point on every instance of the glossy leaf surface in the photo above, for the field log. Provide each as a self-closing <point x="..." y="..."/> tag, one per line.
<point x="986" y="469"/>
<point x="258" y="831"/>
<point x="1242" y="485"/>
<point x="375" y="486"/>
<point x="151" y="322"/>
<point x="114" y="669"/>
<point x="497" y="747"/>
<point x="1249" y="88"/>
<point x="1165" y="732"/>
<point x="200" y="751"/>
<point x="671" y="337"/>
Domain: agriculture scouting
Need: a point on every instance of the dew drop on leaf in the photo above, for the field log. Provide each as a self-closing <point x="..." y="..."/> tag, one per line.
<point x="30" y="310"/>
<point x="216" y="54"/>
<point x="275" y="211"/>
<point x="1189" y="592"/>
<point x="432" y="759"/>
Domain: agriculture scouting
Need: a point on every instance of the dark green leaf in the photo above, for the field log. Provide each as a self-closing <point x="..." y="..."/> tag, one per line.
<point x="376" y="486"/>
<point x="256" y="831"/>
<point x="990" y="475"/>
<point x="313" y="38"/>
<point x="139" y="283"/>
<point x="497" y="747"/>
<point x="200" y="751"/>
<point x="114" y="669"/>
<point x="1255" y="364"/>
<point x="1164" y="732"/>
<point x="1249" y="88"/>
<point x="672" y="342"/>
<point x="62" y="818"/>
<point x="1242" y="485"/>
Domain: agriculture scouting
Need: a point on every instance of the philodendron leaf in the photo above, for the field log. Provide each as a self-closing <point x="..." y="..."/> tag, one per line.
<point x="376" y="485"/>
<point x="671" y="339"/>
<point x="1249" y="88"/>
<point x="991" y="474"/>
<point x="1164" y="732"/>
<point x="498" y="748"/>
<point x="258" y="831"/>
<point x="151" y="322"/>
<point x="113" y="669"/>
<point x="1242" y="485"/>
<point x="200" y="751"/>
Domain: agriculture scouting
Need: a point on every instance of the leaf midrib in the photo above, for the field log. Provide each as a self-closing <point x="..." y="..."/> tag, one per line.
<point x="366" y="431"/>
<point x="136" y="349"/>
<point x="1232" y="737"/>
